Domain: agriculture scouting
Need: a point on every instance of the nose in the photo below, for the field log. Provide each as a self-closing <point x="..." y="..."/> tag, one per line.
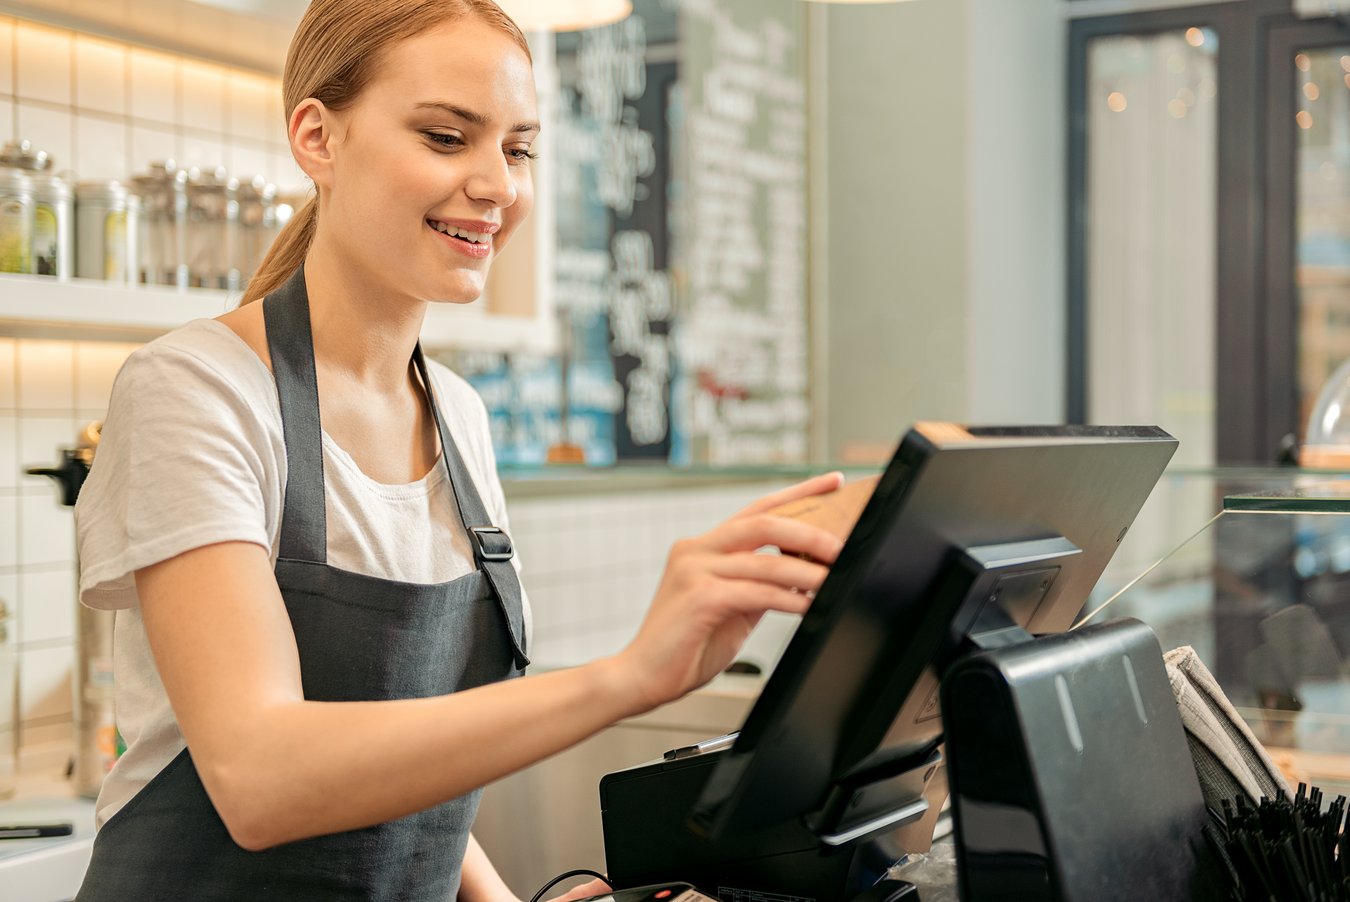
<point x="491" y="179"/>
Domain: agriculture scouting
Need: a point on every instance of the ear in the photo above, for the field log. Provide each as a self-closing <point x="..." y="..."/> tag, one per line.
<point x="312" y="138"/>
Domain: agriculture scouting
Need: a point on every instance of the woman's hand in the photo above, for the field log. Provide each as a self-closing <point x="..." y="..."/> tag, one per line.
<point x="596" y="887"/>
<point x="716" y="588"/>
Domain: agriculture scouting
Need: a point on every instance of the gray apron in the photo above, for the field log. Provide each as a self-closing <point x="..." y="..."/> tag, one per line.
<point x="360" y="638"/>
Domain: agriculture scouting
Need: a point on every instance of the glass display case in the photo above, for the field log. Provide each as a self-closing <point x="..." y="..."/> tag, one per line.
<point x="1260" y="588"/>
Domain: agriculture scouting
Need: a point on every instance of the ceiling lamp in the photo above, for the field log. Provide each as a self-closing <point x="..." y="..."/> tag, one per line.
<point x="564" y="15"/>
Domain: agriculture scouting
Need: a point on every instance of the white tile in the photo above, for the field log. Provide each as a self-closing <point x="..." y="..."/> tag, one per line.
<point x="149" y="144"/>
<point x="8" y="398"/>
<point x="100" y="148"/>
<point x="9" y="450"/>
<point x="288" y="176"/>
<point x="45" y="682"/>
<point x="201" y="97"/>
<point x="7" y="123"/>
<point x="60" y="731"/>
<point x="96" y="366"/>
<point x="201" y="152"/>
<point x="47" y="606"/>
<point x="46" y="375"/>
<point x="100" y="76"/>
<point x="248" y="107"/>
<point x="44" y="63"/>
<point x="47" y="530"/>
<point x="9" y="597"/>
<point x="40" y="440"/>
<point x="49" y="130"/>
<point x="154" y="81"/>
<point x="6" y="56"/>
<point x="9" y="531"/>
<point x="247" y="161"/>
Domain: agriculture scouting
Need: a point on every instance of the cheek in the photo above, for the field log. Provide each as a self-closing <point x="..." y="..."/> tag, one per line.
<point x="516" y="213"/>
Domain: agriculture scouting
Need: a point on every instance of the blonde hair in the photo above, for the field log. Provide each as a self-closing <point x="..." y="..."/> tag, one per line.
<point x="335" y="51"/>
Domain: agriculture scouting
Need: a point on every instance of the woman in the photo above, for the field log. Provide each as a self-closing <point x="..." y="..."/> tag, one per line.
<point x="318" y="625"/>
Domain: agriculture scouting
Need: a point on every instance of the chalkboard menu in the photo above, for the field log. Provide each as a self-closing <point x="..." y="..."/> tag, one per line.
<point x="681" y="245"/>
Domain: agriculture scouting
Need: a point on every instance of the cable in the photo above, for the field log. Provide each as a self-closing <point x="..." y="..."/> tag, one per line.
<point x="579" y="872"/>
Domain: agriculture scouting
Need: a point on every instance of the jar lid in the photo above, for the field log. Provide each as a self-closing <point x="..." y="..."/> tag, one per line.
<point x="23" y="155"/>
<point x="101" y="189"/>
<point x="16" y="180"/>
<point x="50" y="186"/>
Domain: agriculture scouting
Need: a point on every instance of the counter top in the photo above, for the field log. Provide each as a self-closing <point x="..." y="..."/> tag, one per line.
<point x="48" y="869"/>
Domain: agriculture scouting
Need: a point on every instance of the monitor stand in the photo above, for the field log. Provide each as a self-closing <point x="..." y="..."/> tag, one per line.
<point x="645" y="814"/>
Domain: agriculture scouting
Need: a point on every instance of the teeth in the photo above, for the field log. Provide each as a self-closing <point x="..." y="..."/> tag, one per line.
<point x="475" y="237"/>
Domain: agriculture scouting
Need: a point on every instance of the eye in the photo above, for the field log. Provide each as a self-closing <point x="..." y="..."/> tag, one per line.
<point x="521" y="154"/>
<point x="444" y="139"/>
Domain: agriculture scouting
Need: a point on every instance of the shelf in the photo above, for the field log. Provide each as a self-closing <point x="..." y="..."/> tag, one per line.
<point x="39" y="307"/>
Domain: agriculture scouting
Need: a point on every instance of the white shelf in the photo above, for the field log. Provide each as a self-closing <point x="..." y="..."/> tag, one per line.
<point x="39" y="307"/>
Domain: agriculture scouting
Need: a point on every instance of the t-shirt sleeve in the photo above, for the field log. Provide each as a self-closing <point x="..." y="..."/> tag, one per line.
<point x="183" y="462"/>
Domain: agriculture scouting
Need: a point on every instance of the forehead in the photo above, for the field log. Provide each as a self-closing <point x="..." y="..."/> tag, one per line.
<point x="468" y="62"/>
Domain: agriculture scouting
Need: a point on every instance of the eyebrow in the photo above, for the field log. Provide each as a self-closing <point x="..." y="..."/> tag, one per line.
<point x="474" y="118"/>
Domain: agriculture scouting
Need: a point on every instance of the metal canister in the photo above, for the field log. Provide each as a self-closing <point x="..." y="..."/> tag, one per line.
<point x="106" y="225"/>
<point x="53" y="227"/>
<point x="256" y="227"/>
<point x="213" y="216"/>
<point x="16" y="221"/>
<point x="23" y="155"/>
<point x="164" y="223"/>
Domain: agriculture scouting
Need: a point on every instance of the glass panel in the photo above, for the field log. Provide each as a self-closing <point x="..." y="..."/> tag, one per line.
<point x="1260" y="593"/>
<point x="1151" y="117"/>
<point x="1322" y="244"/>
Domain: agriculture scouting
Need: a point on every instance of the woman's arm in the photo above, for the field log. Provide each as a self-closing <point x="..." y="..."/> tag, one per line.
<point x="280" y="768"/>
<point x="479" y="880"/>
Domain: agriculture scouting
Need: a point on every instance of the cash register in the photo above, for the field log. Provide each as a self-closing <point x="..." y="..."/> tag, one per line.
<point x="1071" y="780"/>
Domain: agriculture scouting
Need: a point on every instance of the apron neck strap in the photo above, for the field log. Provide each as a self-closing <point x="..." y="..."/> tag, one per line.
<point x="304" y="526"/>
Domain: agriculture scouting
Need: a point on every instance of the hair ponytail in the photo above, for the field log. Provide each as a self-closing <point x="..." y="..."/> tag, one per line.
<point x="332" y="57"/>
<point x="286" y="253"/>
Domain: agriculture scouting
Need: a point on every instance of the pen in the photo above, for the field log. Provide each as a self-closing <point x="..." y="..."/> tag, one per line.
<point x="33" y="831"/>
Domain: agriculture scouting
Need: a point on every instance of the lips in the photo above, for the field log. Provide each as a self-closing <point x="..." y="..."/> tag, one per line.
<point x="469" y="237"/>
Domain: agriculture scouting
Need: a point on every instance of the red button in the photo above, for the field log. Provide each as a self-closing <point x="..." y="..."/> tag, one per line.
<point x="663" y="894"/>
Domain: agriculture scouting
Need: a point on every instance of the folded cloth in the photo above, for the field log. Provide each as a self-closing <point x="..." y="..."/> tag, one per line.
<point x="1228" y="758"/>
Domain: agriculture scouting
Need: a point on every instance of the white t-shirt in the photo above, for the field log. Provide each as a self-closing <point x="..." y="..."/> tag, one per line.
<point x="192" y="454"/>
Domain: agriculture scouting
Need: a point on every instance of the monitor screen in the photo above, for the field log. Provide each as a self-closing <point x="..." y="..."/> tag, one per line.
<point x="856" y="691"/>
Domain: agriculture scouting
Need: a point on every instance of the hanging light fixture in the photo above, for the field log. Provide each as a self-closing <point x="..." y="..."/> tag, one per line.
<point x="564" y="15"/>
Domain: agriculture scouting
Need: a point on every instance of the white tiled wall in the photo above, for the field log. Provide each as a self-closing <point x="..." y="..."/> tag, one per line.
<point x="105" y="109"/>
<point x="591" y="565"/>
<point x="48" y="391"/>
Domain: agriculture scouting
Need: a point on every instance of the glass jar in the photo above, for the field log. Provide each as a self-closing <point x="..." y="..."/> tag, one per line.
<point x="106" y="223"/>
<point x="9" y="703"/>
<point x="164" y="222"/>
<point x="53" y="226"/>
<point x="257" y="225"/>
<point x="16" y="221"/>
<point x="213" y="213"/>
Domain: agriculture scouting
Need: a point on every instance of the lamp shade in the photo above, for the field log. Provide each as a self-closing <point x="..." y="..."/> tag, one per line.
<point x="564" y="15"/>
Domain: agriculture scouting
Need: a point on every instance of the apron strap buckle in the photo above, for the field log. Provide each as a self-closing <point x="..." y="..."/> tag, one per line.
<point x="491" y="544"/>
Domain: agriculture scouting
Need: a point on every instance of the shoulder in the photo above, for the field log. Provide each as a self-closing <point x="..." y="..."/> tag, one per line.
<point x="458" y="398"/>
<point x="199" y="359"/>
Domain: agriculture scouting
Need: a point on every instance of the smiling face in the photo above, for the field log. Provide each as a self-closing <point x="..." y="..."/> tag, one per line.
<point x="426" y="176"/>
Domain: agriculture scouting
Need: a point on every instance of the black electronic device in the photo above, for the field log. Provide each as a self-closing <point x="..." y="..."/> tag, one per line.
<point x="991" y="532"/>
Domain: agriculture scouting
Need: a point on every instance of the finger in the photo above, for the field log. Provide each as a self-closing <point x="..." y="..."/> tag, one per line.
<point x="754" y="598"/>
<point x="816" y="485"/>
<point x="782" y="571"/>
<point x="584" y="891"/>
<point x="790" y="536"/>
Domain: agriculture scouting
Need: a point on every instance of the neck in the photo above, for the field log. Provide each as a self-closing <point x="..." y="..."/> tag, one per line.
<point x="362" y="329"/>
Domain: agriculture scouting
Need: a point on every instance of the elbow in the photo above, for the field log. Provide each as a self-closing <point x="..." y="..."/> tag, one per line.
<point x="245" y="807"/>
